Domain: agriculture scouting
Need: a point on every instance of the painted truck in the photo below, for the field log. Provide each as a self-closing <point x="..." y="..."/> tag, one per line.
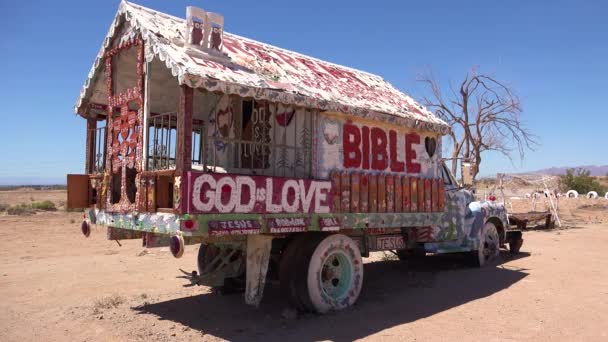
<point x="277" y="165"/>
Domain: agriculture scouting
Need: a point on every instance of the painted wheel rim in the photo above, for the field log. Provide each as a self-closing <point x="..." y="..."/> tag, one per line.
<point x="490" y="244"/>
<point x="336" y="275"/>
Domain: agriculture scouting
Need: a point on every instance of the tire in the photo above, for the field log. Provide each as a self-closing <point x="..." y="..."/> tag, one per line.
<point x="572" y="194"/>
<point x="289" y="270"/>
<point x="515" y="245"/>
<point x="488" y="246"/>
<point x="332" y="270"/>
<point x="592" y="195"/>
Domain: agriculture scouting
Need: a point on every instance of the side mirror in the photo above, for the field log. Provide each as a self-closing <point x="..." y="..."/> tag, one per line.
<point x="467" y="176"/>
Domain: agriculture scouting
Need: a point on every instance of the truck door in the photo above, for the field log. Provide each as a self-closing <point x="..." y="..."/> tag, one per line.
<point x="452" y="222"/>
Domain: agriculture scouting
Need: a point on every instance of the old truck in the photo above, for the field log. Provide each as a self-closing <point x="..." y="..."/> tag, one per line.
<point x="278" y="165"/>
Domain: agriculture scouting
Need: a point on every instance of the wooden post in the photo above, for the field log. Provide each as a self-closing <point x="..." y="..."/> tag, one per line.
<point x="183" y="152"/>
<point x="335" y="190"/>
<point x="90" y="151"/>
<point x="354" y="192"/>
<point x="345" y="192"/>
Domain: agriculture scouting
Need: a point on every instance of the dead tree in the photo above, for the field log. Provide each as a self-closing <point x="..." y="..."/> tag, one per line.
<point x="484" y="114"/>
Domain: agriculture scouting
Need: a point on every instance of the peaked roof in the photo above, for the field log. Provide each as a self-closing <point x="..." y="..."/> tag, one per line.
<point x="264" y="71"/>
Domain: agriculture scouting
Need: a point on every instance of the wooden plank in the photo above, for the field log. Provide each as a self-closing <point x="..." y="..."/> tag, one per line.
<point x="428" y="201"/>
<point x="142" y="205"/>
<point x="163" y="188"/>
<point x="364" y="193"/>
<point x="183" y="148"/>
<point x="435" y="195"/>
<point x="405" y="183"/>
<point x="414" y="194"/>
<point x="381" y="194"/>
<point x="398" y="194"/>
<point x="151" y="194"/>
<point x="78" y="191"/>
<point x="335" y="190"/>
<point x="390" y="194"/>
<point x="90" y="141"/>
<point x="345" y="191"/>
<point x="441" y="196"/>
<point x="373" y="193"/>
<point x="354" y="192"/>
<point x="420" y="188"/>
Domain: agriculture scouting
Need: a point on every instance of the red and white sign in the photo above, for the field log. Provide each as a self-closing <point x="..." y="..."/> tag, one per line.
<point x="234" y="227"/>
<point x="288" y="225"/>
<point x="329" y="224"/>
<point x="226" y="193"/>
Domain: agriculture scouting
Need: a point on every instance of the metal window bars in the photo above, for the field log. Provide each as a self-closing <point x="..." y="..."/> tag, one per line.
<point x="162" y="135"/>
<point x="284" y="154"/>
<point x="99" y="158"/>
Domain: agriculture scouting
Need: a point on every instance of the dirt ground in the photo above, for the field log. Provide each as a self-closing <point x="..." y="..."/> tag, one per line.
<point x="56" y="285"/>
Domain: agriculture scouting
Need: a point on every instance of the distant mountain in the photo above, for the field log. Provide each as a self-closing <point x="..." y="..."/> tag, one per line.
<point x="595" y="170"/>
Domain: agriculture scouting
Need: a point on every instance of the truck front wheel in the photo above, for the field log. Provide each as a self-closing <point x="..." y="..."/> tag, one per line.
<point x="489" y="246"/>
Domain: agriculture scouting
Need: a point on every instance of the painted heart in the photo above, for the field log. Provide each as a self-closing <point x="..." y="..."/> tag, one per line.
<point x="284" y="118"/>
<point x="430" y="144"/>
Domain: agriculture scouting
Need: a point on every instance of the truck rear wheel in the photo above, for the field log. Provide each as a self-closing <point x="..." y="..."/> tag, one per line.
<point x="329" y="273"/>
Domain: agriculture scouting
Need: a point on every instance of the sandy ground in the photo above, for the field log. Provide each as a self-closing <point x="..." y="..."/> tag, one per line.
<point x="56" y="285"/>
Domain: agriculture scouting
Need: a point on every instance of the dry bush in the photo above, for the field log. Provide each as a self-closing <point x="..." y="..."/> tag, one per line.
<point x="20" y="210"/>
<point x="107" y="302"/>
<point x="3" y="207"/>
<point x="44" y="205"/>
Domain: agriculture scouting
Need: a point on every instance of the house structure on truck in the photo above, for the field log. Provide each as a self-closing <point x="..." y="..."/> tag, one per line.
<point x="278" y="164"/>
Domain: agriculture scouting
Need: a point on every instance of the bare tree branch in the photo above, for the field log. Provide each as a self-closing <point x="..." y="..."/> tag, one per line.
<point x="484" y="114"/>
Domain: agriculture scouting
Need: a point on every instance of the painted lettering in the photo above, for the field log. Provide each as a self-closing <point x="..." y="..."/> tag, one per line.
<point x="351" y="139"/>
<point x="256" y="194"/>
<point x="396" y="165"/>
<point x="379" y="156"/>
<point x="378" y="149"/>
<point x="410" y="154"/>
<point x="365" y="146"/>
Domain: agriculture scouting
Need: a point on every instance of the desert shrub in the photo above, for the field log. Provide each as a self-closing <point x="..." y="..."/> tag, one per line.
<point x="3" y="207"/>
<point x="44" y="205"/>
<point x="581" y="181"/>
<point x="108" y="302"/>
<point x="20" y="210"/>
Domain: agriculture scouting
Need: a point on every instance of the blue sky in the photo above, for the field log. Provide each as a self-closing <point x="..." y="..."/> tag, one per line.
<point x="553" y="53"/>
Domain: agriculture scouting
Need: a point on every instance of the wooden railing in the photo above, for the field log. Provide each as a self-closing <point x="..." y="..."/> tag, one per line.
<point x="358" y="192"/>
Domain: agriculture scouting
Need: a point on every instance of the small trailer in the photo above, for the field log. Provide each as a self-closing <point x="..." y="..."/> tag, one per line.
<point x="275" y="163"/>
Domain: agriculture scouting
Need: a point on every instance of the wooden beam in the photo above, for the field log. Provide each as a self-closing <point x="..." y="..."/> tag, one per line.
<point x="183" y="153"/>
<point x="90" y="149"/>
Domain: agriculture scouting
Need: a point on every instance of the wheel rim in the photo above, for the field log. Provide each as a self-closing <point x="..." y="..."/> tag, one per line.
<point x="489" y="244"/>
<point x="336" y="275"/>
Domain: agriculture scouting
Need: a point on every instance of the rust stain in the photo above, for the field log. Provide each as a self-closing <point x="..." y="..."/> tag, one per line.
<point x="354" y="193"/>
<point x="435" y="192"/>
<point x="335" y="187"/>
<point x="381" y="194"/>
<point x="414" y="194"/>
<point x="364" y="193"/>
<point x="373" y="193"/>
<point x="345" y="191"/>
<point x="398" y="194"/>
<point x="390" y="194"/>
<point x="420" y="188"/>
